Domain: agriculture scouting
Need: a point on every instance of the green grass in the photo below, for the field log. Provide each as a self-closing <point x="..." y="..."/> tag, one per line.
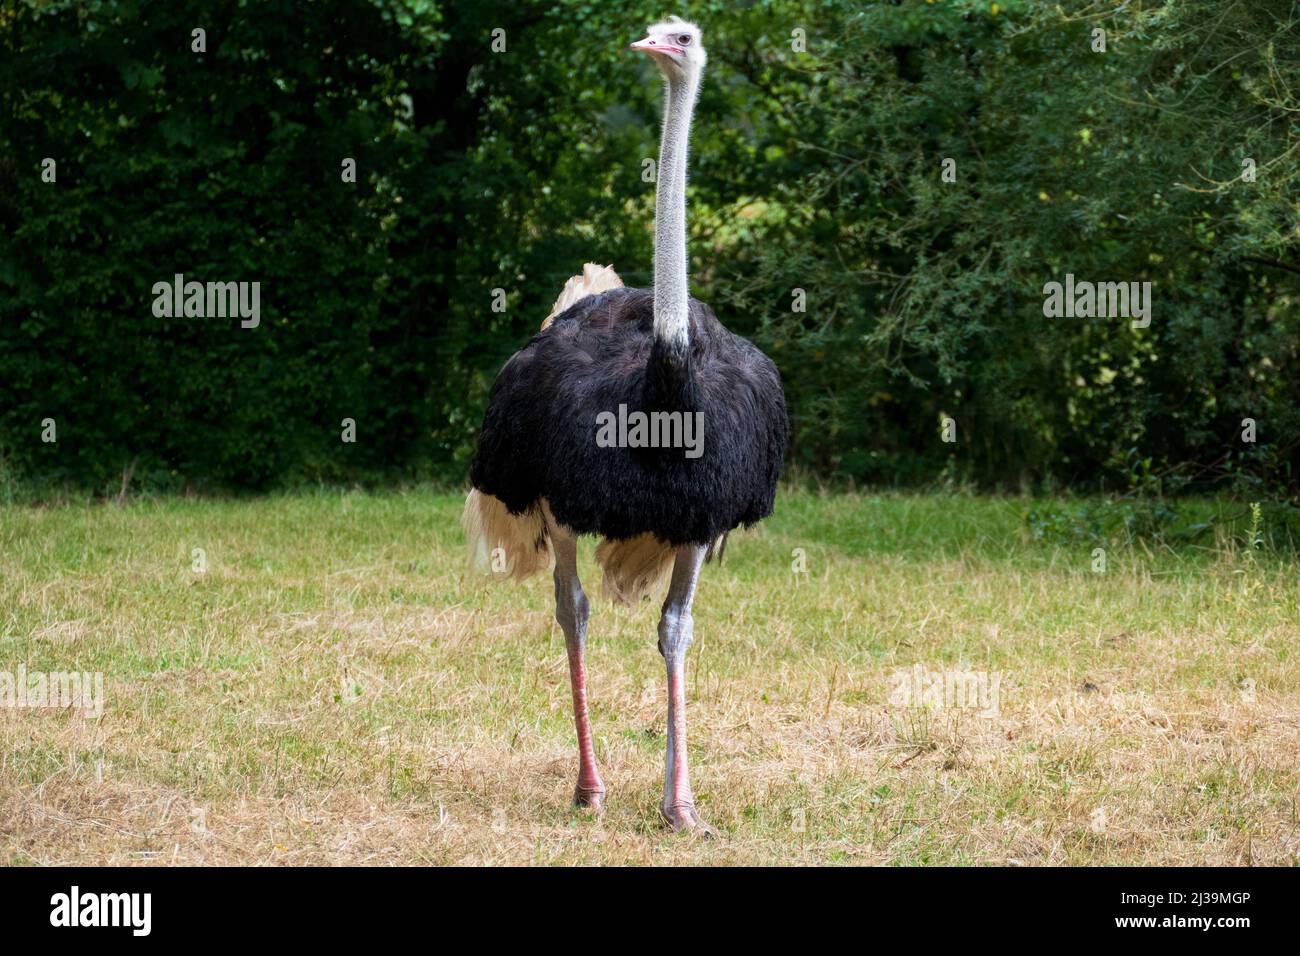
<point x="336" y="688"/>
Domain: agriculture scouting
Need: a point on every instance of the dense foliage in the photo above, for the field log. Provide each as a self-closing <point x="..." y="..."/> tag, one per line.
<point x="817" y="169"/>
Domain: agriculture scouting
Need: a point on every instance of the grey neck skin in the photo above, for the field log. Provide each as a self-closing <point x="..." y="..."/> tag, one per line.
<point x="672" y="284"/>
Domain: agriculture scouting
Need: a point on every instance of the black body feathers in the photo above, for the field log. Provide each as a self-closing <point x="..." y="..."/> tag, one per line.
<point x="539" y="435"/>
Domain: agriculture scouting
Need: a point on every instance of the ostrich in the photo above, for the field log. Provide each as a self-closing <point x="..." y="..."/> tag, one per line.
<point x="541" y="477"/>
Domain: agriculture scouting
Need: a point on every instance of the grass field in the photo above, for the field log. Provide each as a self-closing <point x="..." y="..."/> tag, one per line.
<point x="334" y="688"/>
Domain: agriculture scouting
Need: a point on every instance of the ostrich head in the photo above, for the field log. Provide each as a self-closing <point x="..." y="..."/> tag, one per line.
<point x="676" y="47"/>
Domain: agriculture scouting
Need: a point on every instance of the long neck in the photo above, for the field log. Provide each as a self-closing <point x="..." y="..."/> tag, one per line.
<point x="672" y="284"/>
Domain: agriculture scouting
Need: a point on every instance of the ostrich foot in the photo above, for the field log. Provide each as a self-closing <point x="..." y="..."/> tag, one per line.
<point x="589" y="798"/>
<point x="682" y="817"/>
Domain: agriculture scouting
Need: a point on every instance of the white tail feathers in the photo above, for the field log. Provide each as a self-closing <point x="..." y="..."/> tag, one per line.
<point x="516" y="546"/>
<point x="502" y="544"/>
<point x="634" y="567"/>
<point x="640" y="567"/>
<point x="593" y="281"/>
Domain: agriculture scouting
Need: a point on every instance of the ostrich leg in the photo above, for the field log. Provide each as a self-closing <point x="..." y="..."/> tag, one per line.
<point x="572" y="611"/>
<point x="675" y="636"/>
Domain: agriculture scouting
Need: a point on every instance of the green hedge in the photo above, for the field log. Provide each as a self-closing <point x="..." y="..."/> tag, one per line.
<point x="482" y="170"/>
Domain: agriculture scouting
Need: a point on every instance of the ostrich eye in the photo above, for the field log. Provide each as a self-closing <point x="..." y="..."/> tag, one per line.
<point x="684" y="39"/>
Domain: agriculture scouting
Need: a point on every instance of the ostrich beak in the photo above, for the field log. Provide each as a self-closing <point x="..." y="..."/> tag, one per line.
<point x="651" y="45"/>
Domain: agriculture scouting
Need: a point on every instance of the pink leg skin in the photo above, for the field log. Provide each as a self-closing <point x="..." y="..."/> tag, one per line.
<point x="571" y="612"/>
<point x="590" y="791"/>
<point x="676" y="631"/>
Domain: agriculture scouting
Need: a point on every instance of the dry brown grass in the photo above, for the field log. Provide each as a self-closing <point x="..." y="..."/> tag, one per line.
<point x="334" y="689"/>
